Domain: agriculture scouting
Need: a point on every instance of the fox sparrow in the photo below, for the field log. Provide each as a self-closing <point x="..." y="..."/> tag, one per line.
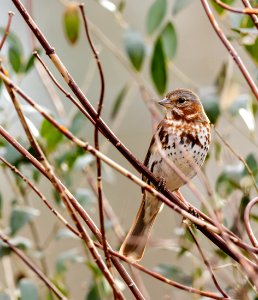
<point x="182" y="138"/>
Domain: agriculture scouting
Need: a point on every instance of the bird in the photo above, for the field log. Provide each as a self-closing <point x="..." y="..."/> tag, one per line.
<point x="182" y="139"/>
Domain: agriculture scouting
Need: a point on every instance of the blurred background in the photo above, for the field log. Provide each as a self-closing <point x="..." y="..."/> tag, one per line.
<point x="126" y="36"/>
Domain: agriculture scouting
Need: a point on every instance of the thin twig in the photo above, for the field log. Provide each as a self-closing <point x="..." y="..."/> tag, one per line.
<point x="41" y="196"/>
<point x="34" y="268"/>
<point x="61" y="191"/>
<point x="162" y="278"/>
<point x="118" y="230"/>
<point x="254" y="17"/>
<point x="7" y="29"/>
<point x="85" y="146"/>
<point x="69" y="96"/>
<point x="75" y="203"/>
<point x="230" y="48"/>
<point x="247" y="221"/>
<point x="103" y="127"/>
<point x="248" y="265"/>
<point x="239" y="157"/>
<point x="205" y="260"/>
<point x="96" y="136"/>
<point x="246" y="11"/>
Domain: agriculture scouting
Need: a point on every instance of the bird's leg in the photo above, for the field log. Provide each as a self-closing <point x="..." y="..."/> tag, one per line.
<point x="194" y="212"/>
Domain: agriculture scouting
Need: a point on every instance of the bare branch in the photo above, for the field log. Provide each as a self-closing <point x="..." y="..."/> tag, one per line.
<point x="230" y="48"/>
<point x="41" y="196"/>
<point x="247" y="221"/>
<point x="246" y="11"/>
<point x="96" y="137"/>
<point x="34" y="268"/>
<point x="7" y="29"/>
<point x="254" y="17"/>
<point x="205" y="260"/>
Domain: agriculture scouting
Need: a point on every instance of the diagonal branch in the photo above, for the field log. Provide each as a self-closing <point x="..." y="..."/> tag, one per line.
<point x="230" y="48"/>
<point x="34" y="268"/>
<point x="7" y="29"/>
<point x="254" y="17"/>
<point x="61" y="191"/>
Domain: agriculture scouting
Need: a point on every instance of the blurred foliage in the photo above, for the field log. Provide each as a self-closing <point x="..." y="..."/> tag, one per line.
<point x="135" y="48"/>
<point x="72" y="22"/>
<point x="150" y="54"/>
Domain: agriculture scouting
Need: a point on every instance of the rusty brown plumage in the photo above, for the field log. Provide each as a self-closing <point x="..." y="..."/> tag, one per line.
<point x="183" y="138"/>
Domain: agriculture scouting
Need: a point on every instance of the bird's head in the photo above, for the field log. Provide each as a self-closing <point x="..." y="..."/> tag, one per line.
<point x="183" y="104"/>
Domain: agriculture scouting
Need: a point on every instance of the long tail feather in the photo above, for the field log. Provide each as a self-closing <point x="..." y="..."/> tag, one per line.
<point x="135" y="242"/>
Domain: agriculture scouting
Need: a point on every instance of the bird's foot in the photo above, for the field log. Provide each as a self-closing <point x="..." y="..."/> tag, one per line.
<point x="161" y="184"/>
<point x="195" y="213"/>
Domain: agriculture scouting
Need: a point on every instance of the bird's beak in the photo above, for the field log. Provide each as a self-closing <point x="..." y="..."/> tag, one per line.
<point x="165" y="102"/>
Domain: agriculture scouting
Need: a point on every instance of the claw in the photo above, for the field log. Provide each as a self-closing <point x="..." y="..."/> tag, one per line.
<point x="162" y="184"/>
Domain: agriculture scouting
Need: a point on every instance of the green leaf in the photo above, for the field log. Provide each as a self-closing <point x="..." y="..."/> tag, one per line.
<point x="246" y="22"/>
<point x="253" y="165"/>
<point x="19" y="242"/>
<point x="229" y="180"/>
<point x="20" y="216"/>
<point x="100" y="289"/>
<point x="252" y="50"/>
<point x="93" y="293"/>
<point x="211" y="107"/>
<point x="36" y="175"/>
<point x="159" y="67"/>
<point x="72" y="22"/>
<point x="28" y="290"/>
<point x="169" y="40"/>
<point x="12" y="39"/>
<point x="121" y="6"/>
<point x="220" y="10"/>
<point x="65" y="257"/>
<point x="118" y="102"/>
<point x="179" y="5"/>
<point x="78" y="123"/>
<point x="52" y="136"/>
<point x="173" y="272"/>
<point x="15" y="58"/>
<point x="220" y="79"/>
<point x="29" y="64"/>
<point x="69" y="158"/>
<point x="135" y="48"/>
<point x="244" y="201"/>
<point x="155" y="15"/>
<point x="217" y="150"/>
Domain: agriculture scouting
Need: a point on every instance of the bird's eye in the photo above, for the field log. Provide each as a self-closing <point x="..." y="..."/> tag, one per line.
<point x="181" y="100"/>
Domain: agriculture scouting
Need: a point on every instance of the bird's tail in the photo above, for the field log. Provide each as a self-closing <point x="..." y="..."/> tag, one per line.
<point x="135" y="242"/>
